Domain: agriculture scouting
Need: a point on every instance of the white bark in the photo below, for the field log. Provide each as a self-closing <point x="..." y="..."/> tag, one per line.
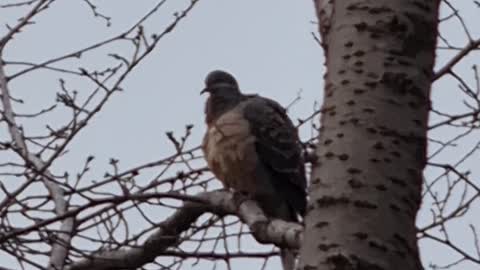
<point x="366" y="184"/>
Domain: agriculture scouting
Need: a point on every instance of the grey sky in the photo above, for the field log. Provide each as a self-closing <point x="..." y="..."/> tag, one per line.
<point x="266" y="44"/>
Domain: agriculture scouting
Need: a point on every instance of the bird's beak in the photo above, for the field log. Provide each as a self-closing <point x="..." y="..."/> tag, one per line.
<point x="205" y="90"/>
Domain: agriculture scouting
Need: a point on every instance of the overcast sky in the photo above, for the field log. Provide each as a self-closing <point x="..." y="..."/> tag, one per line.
<point x="266" y="44"/>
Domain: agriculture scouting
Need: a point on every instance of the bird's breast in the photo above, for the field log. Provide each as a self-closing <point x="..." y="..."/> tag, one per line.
<point x="229" y="149"/>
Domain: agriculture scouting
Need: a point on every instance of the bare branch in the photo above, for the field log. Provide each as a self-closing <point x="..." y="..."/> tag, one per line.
<point x="24" y="21"/>
<point x="60" y="249"/>
<point x="220" y="202"/>
<point x="473" y="45"/>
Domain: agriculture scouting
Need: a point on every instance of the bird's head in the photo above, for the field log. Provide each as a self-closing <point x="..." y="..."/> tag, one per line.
<point x="222" y="83"/>
<point x="224" y="94"/>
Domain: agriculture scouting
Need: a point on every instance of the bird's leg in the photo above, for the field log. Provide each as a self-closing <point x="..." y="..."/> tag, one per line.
<point x="239" y="197"/>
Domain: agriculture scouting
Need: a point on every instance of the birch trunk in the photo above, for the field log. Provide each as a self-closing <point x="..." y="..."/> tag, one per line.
<point x="366" y="183"/>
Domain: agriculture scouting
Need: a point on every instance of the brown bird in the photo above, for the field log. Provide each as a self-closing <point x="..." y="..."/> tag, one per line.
<point x="252" y="147"/>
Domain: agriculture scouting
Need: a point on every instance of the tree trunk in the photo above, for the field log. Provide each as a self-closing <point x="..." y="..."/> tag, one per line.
<point x="366" y="184"/>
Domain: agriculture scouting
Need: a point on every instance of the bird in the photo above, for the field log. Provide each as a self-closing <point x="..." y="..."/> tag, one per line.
<point x="253" y="148"/>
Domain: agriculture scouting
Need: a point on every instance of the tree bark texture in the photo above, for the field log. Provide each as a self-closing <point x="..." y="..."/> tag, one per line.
<point x="366" y="183"/>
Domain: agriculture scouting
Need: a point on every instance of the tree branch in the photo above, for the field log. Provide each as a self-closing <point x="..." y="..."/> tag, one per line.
<point x="60" y="248"/>
<point x="22" y="22"/>
<point x="473" y="45"/>
<point x="219" y="202"/>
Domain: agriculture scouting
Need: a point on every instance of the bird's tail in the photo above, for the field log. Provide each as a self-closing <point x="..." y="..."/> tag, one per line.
<point x="288" y="259"/>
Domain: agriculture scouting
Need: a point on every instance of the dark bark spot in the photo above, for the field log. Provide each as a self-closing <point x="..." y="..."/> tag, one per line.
<point x="372" y="75"/>
<point x="339" y="262"/>
<point x="404" y="62"/>
<point x="340" y="135"/>
<point x="361" y="235"/>
<point x="395" y="207"/>
<point x="410" y="203"/>
<point x="352" y="7"/>
<point x="329" y="155"/>
<point x="401" y="254"/>
<point x="395" y="154"/>
<point x="350" y="102"/>
<point x="343" y="157"/>
<point x="394" y="102"/>
<point x="346" y="56"/>
<point x="322" y="224"/>
<point x="387" y="160"/>
<point x="360" y="26"/>
<point x="362" y="264"/>
<point x="342" y="71"/>
<point x="342" y="122"/>
<point x="395" y="52"/>
<point x="413" y="105"/>
<point x="326" y="247"/>
<point x="327" y="201"/>
<point x="378" y="10"/>
<point x="349" y="44"/>
<point x="354" y="170"/>
<point x="358" y="63"/>
<point x="396" y="26"/>
<point x="359" y="53"/>
<point x="358" y="71"/>
<point x="345" y="82"/>
<point x="378" y="146"/>
<point x="403" y="242"/>
<point x="397" y="82"/>
<point x="371" y="84"/>
<point x="358" y="91"/>
<point x="428" y="72"/>
<point x="365" y="204"/>
<point x="372" y="130"/>
<point x="378" y="246"/>
<point x="369" y="110"/>
<point x="354" y="183"/>
<point x="415" y="196"/>
<point x="422" y="5"/>
<point x="375" y="35"/>
<point x="328" y="141"/>
<point x="374" y="160"/>
<point x="412" y="171"/>
<point x="381" y="187"/>
<point x="354" y="120"/>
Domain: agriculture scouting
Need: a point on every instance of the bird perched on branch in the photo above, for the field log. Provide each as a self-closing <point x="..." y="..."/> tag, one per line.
<point x="252" y="147"/>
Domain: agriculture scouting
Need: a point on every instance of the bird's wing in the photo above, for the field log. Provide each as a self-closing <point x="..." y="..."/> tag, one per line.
<point x="278" y="148"/>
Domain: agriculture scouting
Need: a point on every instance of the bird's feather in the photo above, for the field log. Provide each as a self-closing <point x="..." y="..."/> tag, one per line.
<point x="278" y="147"/>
